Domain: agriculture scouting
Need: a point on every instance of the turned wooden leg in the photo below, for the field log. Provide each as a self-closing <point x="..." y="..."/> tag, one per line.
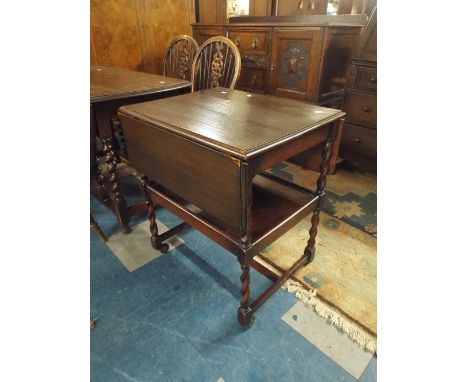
<point x="155" y="239"/>
<point x="120" y="205"/>
<point x="309" y="250"/>
<point x="96" y="173"/>
<point x="118" y="132"/>
<point x="99" y="182"/>
<point x="244" y="313"/>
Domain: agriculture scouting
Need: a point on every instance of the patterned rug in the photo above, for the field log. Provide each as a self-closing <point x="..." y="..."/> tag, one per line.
<point x="341" y="281"/>
<point x="343" y="273"/>
<point x="351" y="196"/>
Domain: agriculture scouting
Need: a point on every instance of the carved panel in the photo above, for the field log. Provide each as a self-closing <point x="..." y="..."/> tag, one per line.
<point x="254" y="60"/>
<point x="294" y="64"/>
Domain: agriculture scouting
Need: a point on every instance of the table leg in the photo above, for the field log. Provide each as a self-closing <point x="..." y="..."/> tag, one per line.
<point x="156" y="241"/>
<point x="309" y="250"/>
<point x="99" y="183"/>
<point x="120" y="205"/>
<point x="96" y="173"/>
<point x="119" y="138"/>
<point x="244" y="313"/>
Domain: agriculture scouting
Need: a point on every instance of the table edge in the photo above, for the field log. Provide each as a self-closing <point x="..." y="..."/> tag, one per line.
<point x="137" y="93"/>
<point x="227" y="149"/>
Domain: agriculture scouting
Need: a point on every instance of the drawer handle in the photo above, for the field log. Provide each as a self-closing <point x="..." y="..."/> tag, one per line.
<point x="253" y="81"/>
<point x="373" y="80"/>
<point x="237" y="41"/>
<point x="312" y="6"/>
<point x="357" y="140"/>
<point x="300" y="5"/>
<point x="254" y="43"/>
<point x="272" y="67"/>
<point x="365" y="109"/>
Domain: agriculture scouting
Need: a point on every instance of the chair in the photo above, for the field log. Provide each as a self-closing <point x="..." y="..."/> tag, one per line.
<point x="217" y="63"/>
<point x="179" y="57"/>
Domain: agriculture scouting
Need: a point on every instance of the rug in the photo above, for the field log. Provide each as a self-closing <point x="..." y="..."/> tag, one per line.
<point x="341" y="282"/>
<point x="351" y="196"/>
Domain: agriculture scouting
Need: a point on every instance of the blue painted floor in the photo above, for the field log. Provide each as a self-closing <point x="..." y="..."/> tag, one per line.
<point x="175" y="319"/>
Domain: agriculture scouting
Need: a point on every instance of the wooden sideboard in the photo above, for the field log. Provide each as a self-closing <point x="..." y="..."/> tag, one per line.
<point x="359" y="139"/>
<point x="214" y="11"/>
<point x="306" y="58"/>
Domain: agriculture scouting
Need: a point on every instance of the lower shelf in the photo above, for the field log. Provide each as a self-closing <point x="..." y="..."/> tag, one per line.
<point x="277" y="206"/>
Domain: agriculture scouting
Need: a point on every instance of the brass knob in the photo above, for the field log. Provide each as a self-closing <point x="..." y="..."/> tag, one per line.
<point x="272" y="67"/>
<point x="373" y="80"/>
<point x="237" y="41"/>
<point x="312" y="6"/>
<point x="365" y="109"/>
<point x="301" y="5"/>
<point x="357" y="140"/>
<point x="253" y="82"/>
<point x="254" y="43"/>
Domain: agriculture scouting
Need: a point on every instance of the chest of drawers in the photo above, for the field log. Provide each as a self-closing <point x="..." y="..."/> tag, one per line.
<point x="359" y="138"/>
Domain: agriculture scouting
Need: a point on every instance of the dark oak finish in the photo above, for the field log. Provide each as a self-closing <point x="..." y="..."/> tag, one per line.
<point x="359" y="143"/>
<point x="300" y="57"/>
<point x="203" y="155"/>
<point x="294" y="67"/>
<point x="111" y="88"/>
<point x="217" y="63"/>
<point x="179" y="57"/>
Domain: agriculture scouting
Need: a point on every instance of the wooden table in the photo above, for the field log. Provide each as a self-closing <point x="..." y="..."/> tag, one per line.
<point x="111" y="88"/>
<point x="204" y="156"/>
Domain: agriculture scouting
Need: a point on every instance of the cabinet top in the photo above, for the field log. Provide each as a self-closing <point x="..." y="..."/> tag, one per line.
<point x="232" y="121"/>
<point x="301" y="20"/>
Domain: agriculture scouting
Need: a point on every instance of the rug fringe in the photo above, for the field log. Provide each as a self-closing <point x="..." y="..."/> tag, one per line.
<point x="310" y="299"/>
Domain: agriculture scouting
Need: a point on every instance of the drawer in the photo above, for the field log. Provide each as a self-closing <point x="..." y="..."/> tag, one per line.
<point x="366" y="77"/>
<point x="249" y="41"/>
<point x="360" y="140"/>
<point x="203" y="34"/>
<point x="252" y="79"/>
<point x="361" y="107"/>
<point x="254" y="60"/>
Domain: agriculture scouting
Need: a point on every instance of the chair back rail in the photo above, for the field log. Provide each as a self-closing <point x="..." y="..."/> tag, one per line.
<point x="217" y="63"/>
<point x="179" y="57"/>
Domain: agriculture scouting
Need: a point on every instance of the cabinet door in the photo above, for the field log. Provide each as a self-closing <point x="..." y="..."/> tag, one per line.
<point x="295" y="63"/>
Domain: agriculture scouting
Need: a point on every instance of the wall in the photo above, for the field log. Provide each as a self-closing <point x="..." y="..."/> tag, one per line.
<point x="134" y="34"/>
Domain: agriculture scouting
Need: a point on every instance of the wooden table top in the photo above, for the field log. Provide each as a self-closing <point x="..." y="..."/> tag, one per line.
<point x="108" y="83"/>
<point x="232" y="121"/>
